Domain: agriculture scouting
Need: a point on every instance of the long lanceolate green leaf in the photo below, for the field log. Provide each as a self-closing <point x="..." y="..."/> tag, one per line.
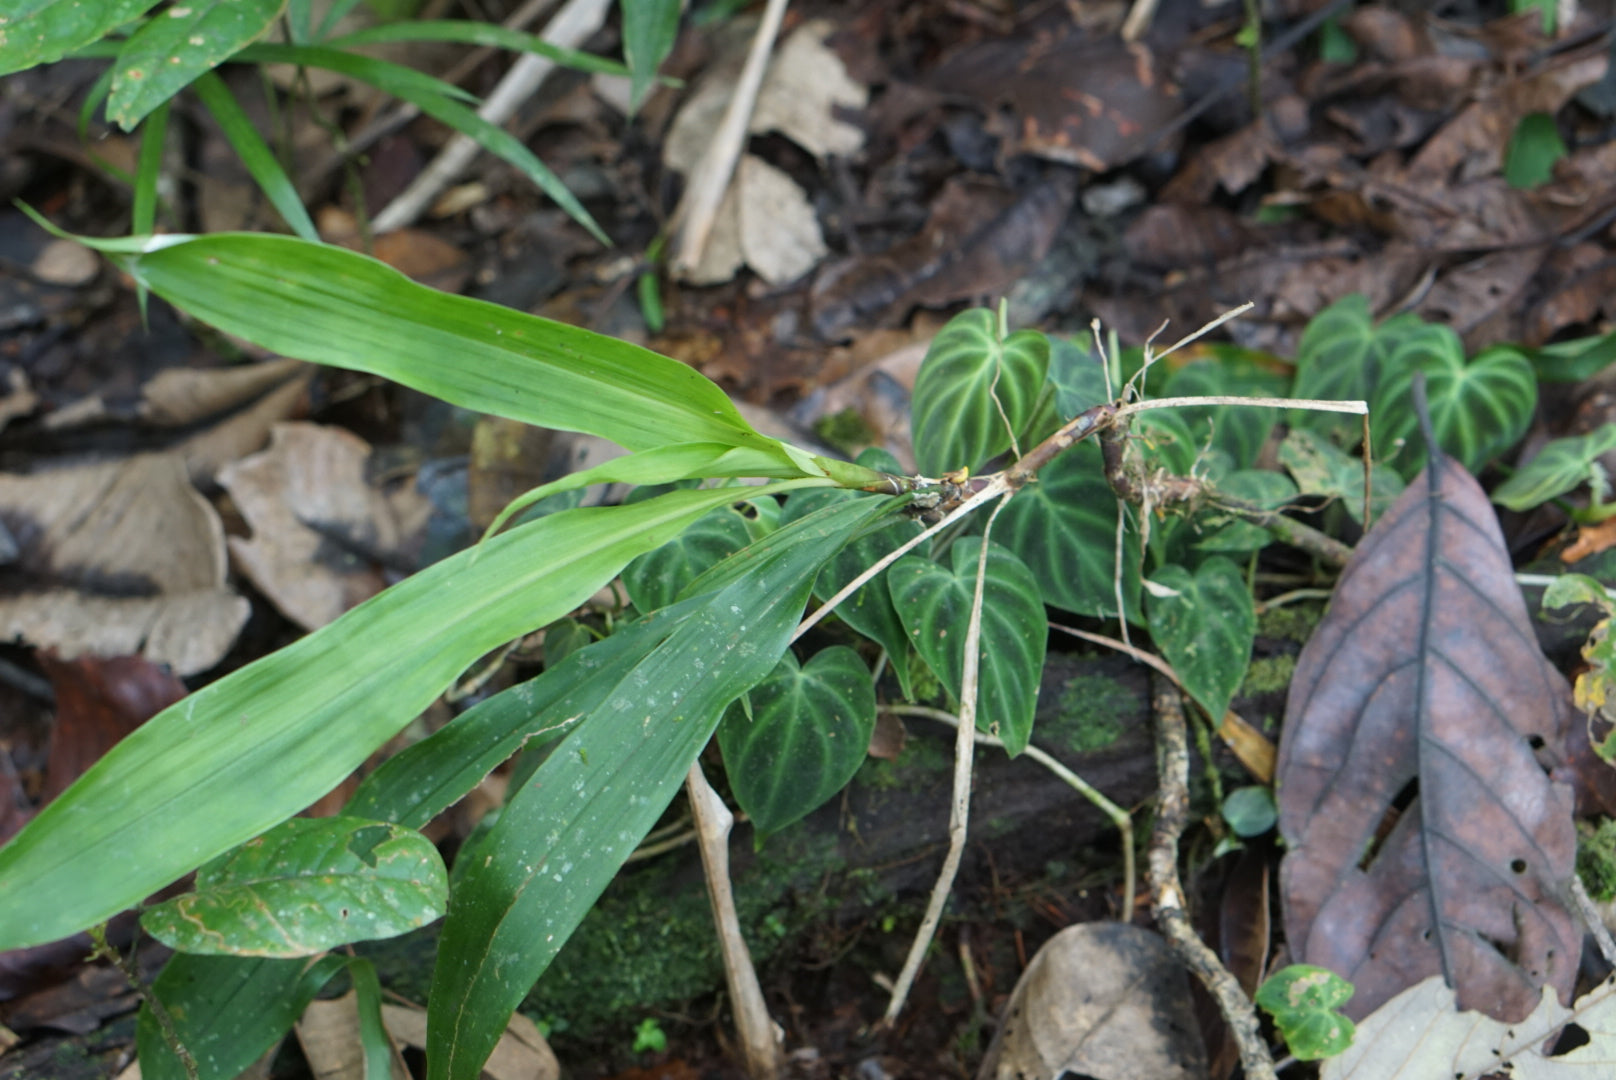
<point x="41" y="31"/>
<point x="332" y="306"/>
<point x="255" y="154"/>
<point x="465" y="32"/>
<point x="563" y="835"/>
<point x="649" y="30"/>
<point x="255" y="747"/>
<point x="182" y="42"/>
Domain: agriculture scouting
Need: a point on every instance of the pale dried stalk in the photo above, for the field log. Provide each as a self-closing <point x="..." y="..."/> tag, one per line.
<point x="710" y="178"/>
<point x="960" y="810"/>
<point x="1119" y="817"/>
<point x="760" y="1036"/>
<point x="1167" y="894"/>
<point x="569" y="29"/>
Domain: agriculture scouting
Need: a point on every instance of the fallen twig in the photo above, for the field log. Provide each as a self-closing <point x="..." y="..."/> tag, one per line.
<point x="1167" y="894"/>
<point x="760" y="1036"/>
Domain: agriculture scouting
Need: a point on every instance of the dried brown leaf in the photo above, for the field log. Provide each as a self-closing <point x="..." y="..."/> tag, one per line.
<point x="1422" y="691"/>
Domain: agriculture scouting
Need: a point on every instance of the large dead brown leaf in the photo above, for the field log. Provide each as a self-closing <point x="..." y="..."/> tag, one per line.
<point x="120" y="559"/>
<point x="1105" y="1000"/>
<point x="1423" y="691"/>
<point x="98" y="702"/>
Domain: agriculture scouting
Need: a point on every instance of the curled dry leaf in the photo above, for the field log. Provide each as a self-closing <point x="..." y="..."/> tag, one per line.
<point x="323" y="534"/>
<point x="120" y="559"/>
<point x="1105" y="1000"/>
<point x="1422" y="693"/>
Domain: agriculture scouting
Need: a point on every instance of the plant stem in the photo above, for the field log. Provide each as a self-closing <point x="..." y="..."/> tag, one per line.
<point x="98" y="935"/>
<point x="1167" y="894"/>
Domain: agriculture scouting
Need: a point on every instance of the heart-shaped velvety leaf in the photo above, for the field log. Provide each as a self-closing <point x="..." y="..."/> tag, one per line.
<point x="1478" y="410"/>
<point x="1204" y="624"/>
<point x="975" y="388"/>
<point x="655" y="579"/>
<point x="1064" y="528"/>
<point x="1078" y="376"/>
<point x="1323" y="468"/>
<point x="1239" y="431"/>
<point x="935" y="601"/>
<point x="808" y="734"/>
<point x="1421" y="695"/>
<point x="307" y="885"/>
<point x="1559" y="467"/>
<point x="869" y="610"/>
<point x="1343" y="356"/>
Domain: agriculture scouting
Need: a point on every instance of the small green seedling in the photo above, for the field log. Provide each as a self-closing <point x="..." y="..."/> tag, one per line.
<point x="1302" y="1000"/>
<point x="649" y="1037"/>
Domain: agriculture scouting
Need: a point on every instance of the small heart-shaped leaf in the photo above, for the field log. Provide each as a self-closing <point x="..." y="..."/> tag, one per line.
<point x="1204" y="624"/>
<point x="934" y="602"/>
<point x="307" y="885"/>
<point x="976" y="387"/>
<point x="808" y="734"/>
<point x="1302" y="1000"/>
<point x="1323" y="468"/>
<point x="1478" y="410"/>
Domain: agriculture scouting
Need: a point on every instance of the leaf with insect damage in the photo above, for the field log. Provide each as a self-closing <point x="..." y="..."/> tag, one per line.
<point x="1422" y="695"/>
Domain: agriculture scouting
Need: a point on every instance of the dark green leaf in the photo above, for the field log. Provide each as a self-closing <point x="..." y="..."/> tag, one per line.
<point x="1573" y="361"/>
<point x="1255" y="487"/>
<point x="869" y="610"/>
<point x="1561" y="466"/>
<point x="1336" y="360"/>
<point x="656" y="578"/>
<point x="183" y="41"/>
<point x="563" y="835"/>
<point x="1204" y="624"/>
<point x="43" y="31"/>
<point x="1164" y="441"/>
<point x="1302" y="1000"/>
<point x="1250" y="811"/>
<point x="373" y="1037"/>
<point x="1479" y="409"/>
<point x="227" y="1011"/>
<point x="975" y="388"/>
<point x="306" y="886"/>
<point x="808" y="734"/>
<point x="148" y="171"/>
<point x="1238" y="431"/>
<point x="649" y="29"/>
<point x="1065" y="528"/>
<point x="935" y="601"/>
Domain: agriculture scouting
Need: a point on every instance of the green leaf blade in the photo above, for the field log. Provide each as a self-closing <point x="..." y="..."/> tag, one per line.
<point x="975" y="388"/>
<point x="1204" y="623"/>
<point x="44" y="31"/>
<point x="1560" y="467"/>
<point x="255" y="155"/>
<point x="656" y="578"/>
<point x="243" y="754"/>
<point x="183" y="42"/>
<point x="649" y="30"/>
<point x="808" y="734"/>
<point x="306" y="886"/>
<point x="935" y="601"/>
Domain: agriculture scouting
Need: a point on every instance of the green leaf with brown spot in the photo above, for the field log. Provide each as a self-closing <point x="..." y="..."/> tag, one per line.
<point x="42" y="31"/>
<point x="181" y="42"/>
<point x="307" y="885"/>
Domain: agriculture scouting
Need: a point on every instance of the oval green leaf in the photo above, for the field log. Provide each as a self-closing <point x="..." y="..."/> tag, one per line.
<point x="1323" y="468"/>
<point x="808" y="734"/>
<point x="183" y="41"/>
<point x="1064" y="528"/>
<point x="306" y="886"/>
<point x="42" y="31"/>
<point x="1204" y="625"/>
<point x="976" y="388"/>
<point x="656" y="578"/>
<point x="1302" y="1000"/>
<point x="935" y="601"/>
<point x="1561" y="466"/>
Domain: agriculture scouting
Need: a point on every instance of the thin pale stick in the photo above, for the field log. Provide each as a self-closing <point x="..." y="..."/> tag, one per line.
<point x="1232" y="313"/>
<point x="960" y="810"/>
<point x="760" y="1038"/>
<point x="1117" y="568"/>
<point x="1591" y="918"/>
<point x="1105" y="361"/>
<point x="1356" y="408"/>
<point x="708" y="181"/>
<point x="998" y="486"/>
<point x="1119" y="817"/>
